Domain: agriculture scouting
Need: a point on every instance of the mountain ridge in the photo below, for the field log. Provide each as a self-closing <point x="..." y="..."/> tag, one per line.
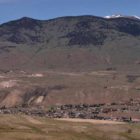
<point x="76" y="42"/>
<point x="74" y="16"/>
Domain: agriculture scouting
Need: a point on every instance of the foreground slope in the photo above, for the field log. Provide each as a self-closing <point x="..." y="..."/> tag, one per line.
<point x="34" y="128"/>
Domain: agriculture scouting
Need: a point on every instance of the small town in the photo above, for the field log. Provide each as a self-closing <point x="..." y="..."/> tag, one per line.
<point x="83" y="111"/>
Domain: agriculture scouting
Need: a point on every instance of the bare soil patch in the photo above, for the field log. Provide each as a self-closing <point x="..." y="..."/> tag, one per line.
<point x="91" y="121"/>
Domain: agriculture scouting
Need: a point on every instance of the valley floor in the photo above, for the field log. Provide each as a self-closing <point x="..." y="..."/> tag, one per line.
<point x="21" y="127"/>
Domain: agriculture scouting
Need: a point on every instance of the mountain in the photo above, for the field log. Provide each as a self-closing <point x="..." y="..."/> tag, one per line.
<point x="69" y="60"/>
<point x="77" y="43"/>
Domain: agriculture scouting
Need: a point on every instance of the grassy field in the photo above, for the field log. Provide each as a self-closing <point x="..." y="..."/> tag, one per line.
<point x="34" y="128"/>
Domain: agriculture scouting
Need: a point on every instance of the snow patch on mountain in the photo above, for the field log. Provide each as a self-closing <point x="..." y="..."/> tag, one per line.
<point x="114" y="16"/>
<point x="137" y="17"/>
<point x="119" y="16"/>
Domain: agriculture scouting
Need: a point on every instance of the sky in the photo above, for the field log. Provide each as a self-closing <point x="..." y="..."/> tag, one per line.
<point x="48" y="9"/>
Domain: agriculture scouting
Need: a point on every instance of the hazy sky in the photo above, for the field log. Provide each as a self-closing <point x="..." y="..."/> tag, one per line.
<point x="46" y="9"/>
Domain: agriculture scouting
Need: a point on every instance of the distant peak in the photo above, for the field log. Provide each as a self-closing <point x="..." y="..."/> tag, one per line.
<point x="26" y="18"/>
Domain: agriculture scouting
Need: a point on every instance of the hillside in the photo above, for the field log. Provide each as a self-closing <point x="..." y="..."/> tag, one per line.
<point x="79" y="43"/>
<point x="70" y="60"/>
